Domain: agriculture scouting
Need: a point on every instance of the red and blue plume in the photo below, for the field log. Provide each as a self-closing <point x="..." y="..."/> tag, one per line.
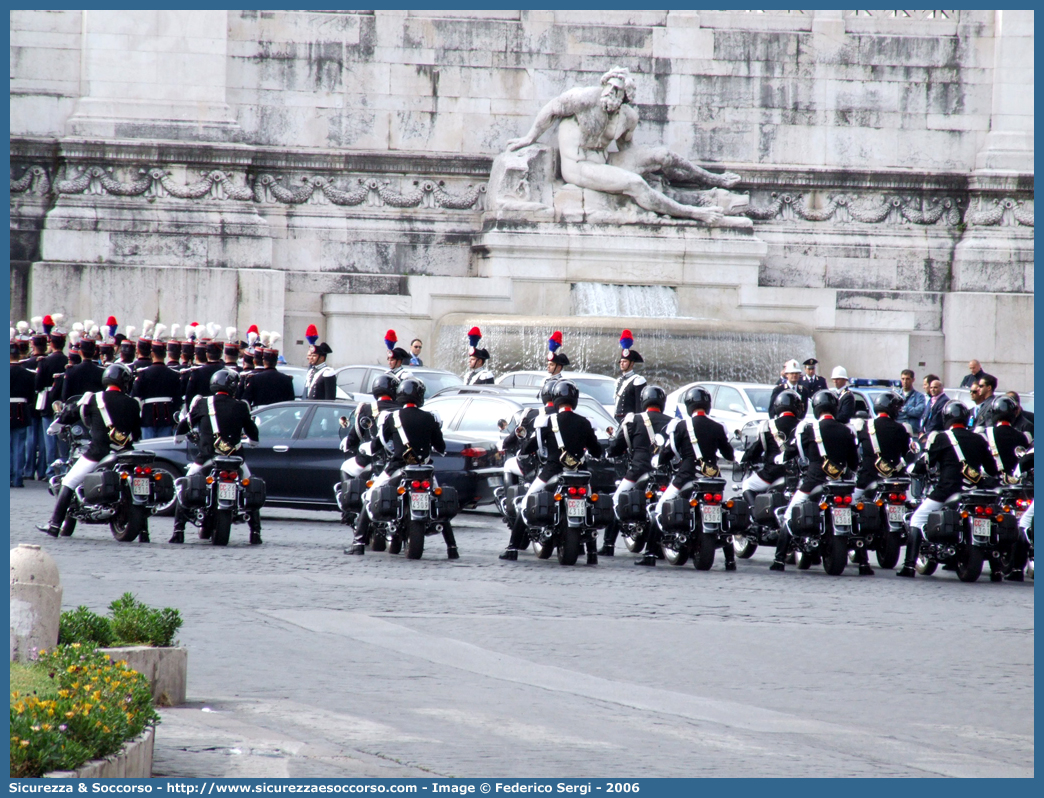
<point x="48" y="324"/>
<point x="111" y="323"/>
<point x="554" y="343"/>
<point x="390" y="339"/>
<point x="312" y="334"/>
<point x="626" y="339"/>
<point x="474" y="336"/>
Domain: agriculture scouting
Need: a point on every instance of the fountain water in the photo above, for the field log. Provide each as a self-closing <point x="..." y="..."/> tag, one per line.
<point x="645" y="301"/>
<point x="675" y="351"/>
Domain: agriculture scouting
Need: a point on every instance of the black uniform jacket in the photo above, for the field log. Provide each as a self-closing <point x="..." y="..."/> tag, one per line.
<point x="157" y="382"/>
<point x="768" y="448"/>
<point x="846" y="406"/>
<point x="199" y="381"/>
<point x="633" y="436"/>
<point x="1007" y="439"/>
<point x="894" y="443"/>
<point x="233" y="419"/>
<point x="268" y="386"/>
<point x="577" y="436"/>
<point x="840" y="446"/>
<point x="941" y="454"/>
<point x="421" y="430"/>
<point x="124" y="412"/>
<point x="46" y="370"/>
<point x="711" y="439"/>
<point x="320" y="383"/>
<point x="801" y="388"/>
<point x="628" y="394"/>
<point x="367" y="422"/>
<point x="81" y="378"/>
<point x="23" y="396"/>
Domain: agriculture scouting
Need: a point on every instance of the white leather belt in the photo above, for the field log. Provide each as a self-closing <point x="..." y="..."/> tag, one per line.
<point x="155" y="399"/>
<point x="17" y="400"/>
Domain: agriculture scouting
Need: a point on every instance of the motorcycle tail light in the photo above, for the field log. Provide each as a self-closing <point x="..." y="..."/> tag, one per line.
<point x="437" y="491"/>
<point x="964" y="514"/>
<point x="415" y="484"/>
<point x="848" y="499"/>
<point x="1006" y="508"/>
<point x="893" y="497"/>
<point x="839" y="499"/>
<point x="210" y="480"/>
<point x="823" y="505"/>
<point x="369" y="483"/>
<point x="401" y="489"/>
<point x="730" y="504"/>
<point x="137" y="469"/>
<point x="148" y="470"/>
<point x="594" y="497"/>
<point x="717" y="497"/>
<point x="558" y="497"/>
<point x="693" y="503"/>
<point x="582" y="491"/>
<point x="425" y="484"/>
<point x="859" y="506"/>
<point x="1000" y="517"/>
<point x="989" y="511"/>
<point x="571" y="491"/>
<point x="648" y="494"/>
<point x="707" y="497"/>
<point x="245" y="481"/>
<point x="902" y="497"/>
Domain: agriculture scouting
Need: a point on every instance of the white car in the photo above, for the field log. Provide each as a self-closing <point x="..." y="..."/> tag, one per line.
<point x="733" y="405"/>
<point x="599" y="387"/>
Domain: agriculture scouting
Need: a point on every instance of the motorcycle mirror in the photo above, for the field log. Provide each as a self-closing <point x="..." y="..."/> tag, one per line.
<point x="609" y="431"/>
<point x="521" y="432"/>
<point x="1020" y="451"/>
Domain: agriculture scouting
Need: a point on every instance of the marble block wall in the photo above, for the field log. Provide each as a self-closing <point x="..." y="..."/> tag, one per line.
<point x="888" y="154"/>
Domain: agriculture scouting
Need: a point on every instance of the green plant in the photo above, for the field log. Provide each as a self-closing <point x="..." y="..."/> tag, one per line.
<point x="136" y="623"/>
<point x="83" y="626"/>
<point x="98" y="705"/>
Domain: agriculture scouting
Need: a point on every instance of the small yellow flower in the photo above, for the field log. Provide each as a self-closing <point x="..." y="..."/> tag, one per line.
<point x="24" y="743"/>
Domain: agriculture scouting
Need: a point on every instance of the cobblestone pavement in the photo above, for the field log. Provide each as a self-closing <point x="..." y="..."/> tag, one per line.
<point x="306" y="662"/>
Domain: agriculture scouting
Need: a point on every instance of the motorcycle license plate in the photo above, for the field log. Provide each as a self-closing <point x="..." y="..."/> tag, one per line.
<point x="420" y="501"/>
<point x="227" y="491"/>
<point x="711" y="514"/>
<point x="895" y="513"/>
<point x="842" y="516"/>
<point x="140" y="486"/>
<point x="981" y="527"/>
<point x="577" y="508"/>
<point x="495" y="482"/>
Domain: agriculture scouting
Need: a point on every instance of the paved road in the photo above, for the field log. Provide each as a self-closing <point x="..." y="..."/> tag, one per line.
<point x="306" y="662"/>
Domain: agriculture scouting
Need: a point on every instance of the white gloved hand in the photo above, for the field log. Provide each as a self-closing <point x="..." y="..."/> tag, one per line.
<point x="778" y="459"/>
<point x="367" y="448"/>
<point x="344" y="444"/>
<point x="737" y="457"/>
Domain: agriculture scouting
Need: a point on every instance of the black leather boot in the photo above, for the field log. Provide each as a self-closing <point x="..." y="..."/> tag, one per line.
<point x="863" y="560"/>
<point x="61" y="509"/>
<point x="730" y="555"/>
<point x="362" y="529"/>
<point x="144" y="536"/>
<point x="913" y="549"/>
<point x="609" y="539"/>
<point x="749" y="496"/>
<point x="254" y="524"/>
<point x="451" y="542"/>
<point x="592" y="550"/>
<point x="778" y="564"/>
<point x="652" y="545"/>
<point x="518" y="539"/>
<point x="179" y="534"/>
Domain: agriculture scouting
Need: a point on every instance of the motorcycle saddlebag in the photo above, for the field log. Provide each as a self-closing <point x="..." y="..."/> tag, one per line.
<point x="163" y="487"/>
<point x="383" y="502"/>
<point x="351" y="493"/>
<point x="739" y="515"/>
<point x="675" y="515"/>
<point x="101" y="487"/>
<point x="254" y="494"/>
<point x="805" y="518"/>
<point x="445" y="506"/>
<point x="1008" y="529"/>
<point x="192" y="490"/>
<point x="538" y="508"/>
<point x="765" y="505"/>
<point x="869" y="518"/>
<point x="943" y="526"/>
<point x="602" y="511"/>
<point x="630" y="505"/>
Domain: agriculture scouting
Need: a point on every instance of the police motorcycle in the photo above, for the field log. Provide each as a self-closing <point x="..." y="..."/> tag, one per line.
<point x="635" y="508"/>
<point x="766" y="513"/>
<point x="123" y="491"/>
<point x="891" y="497"/>
<point x="700" y="520"/>
<point x="518" y="471"/>
<point x="405" y="510"/>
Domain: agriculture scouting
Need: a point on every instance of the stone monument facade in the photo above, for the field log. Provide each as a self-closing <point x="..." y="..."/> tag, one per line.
<point x="288" y="167"/>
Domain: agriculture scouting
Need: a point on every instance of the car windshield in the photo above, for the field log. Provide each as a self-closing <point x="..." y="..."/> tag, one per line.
<point x="600" y="390"/>
<point x="1026" y="401"/>
<point x="596" y="414"/>
<point x="759" y="397"/>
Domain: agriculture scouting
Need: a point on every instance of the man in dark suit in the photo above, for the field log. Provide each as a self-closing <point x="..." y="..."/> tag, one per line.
<point x="932" y="420"/>
<point x="815" y="382"/>
<point x="975" y="373"/>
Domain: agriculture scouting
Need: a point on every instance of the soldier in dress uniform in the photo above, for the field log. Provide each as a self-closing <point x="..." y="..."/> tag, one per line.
<point x="35" y="454"/>
<point x="397" y="356"/>
<point x="173" y="349"/>
<point x="268" y="385"/>
<point x="125" y="343"/>
<point x="143" y="346"/>
<point x="85" y="376"/>
<point x="320" y="382"/>
<point x="157" y="387"/>
<point x="22" y="398"/>
<point x="199" y="383"/>
<point x="813" y="382"/>
<point x="230" y="349"/>
<point x="47" y="370"/>
<point x="629" y="385"/>
<point x="477" y="373"/>
<point x="556" y="359"/>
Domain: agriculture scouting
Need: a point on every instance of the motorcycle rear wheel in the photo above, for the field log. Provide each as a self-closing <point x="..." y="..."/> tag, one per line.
<point x="704" y="558"/>
<point x="415" y="548"/>
<point x="394" y="545"/>
<point x="570" y="542"/>
<point x="888" y="549"/>
<point x="745" y="546"/>
<point x="969" y="563"/>
<point x="128" y="522"/>
<point x="222" y="529"/>
<point x="835" y="555"/>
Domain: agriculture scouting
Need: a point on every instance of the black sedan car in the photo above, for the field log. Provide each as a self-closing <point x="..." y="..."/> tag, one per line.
<point x="299" y="456"/>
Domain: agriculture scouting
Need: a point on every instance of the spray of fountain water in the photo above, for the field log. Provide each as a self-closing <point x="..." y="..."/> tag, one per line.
<point x="637" y="301"/>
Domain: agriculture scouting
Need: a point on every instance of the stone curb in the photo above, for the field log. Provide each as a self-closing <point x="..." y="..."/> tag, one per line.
<point x="165" y="668"/>
<point x="133" y="761"/>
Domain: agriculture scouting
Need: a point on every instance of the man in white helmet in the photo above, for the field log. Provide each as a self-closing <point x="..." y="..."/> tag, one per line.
<point x="792" y="380"/>
<point x="845" y="398"/>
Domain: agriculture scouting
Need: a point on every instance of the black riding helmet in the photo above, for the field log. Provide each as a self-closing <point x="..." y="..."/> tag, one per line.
<point x="117" y="375"/>
<point x="564" y="392"/>
<point x="889" y="404"/>
<point x="385" y="385"/>
<point x="225" y="381"/>
<point x="955" y="413"/>
<point x="697" y="398"/>
<point x="823" y="403"/>
<point x="547" y="388"/>
<point x="788" y="401"/>
<point x="653" y="396"/>
<point x="1003" y="409"/>
<point x="410" y="392"/>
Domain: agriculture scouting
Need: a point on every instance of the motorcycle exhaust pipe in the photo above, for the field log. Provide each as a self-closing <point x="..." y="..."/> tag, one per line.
<point x="439" y="528"/>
